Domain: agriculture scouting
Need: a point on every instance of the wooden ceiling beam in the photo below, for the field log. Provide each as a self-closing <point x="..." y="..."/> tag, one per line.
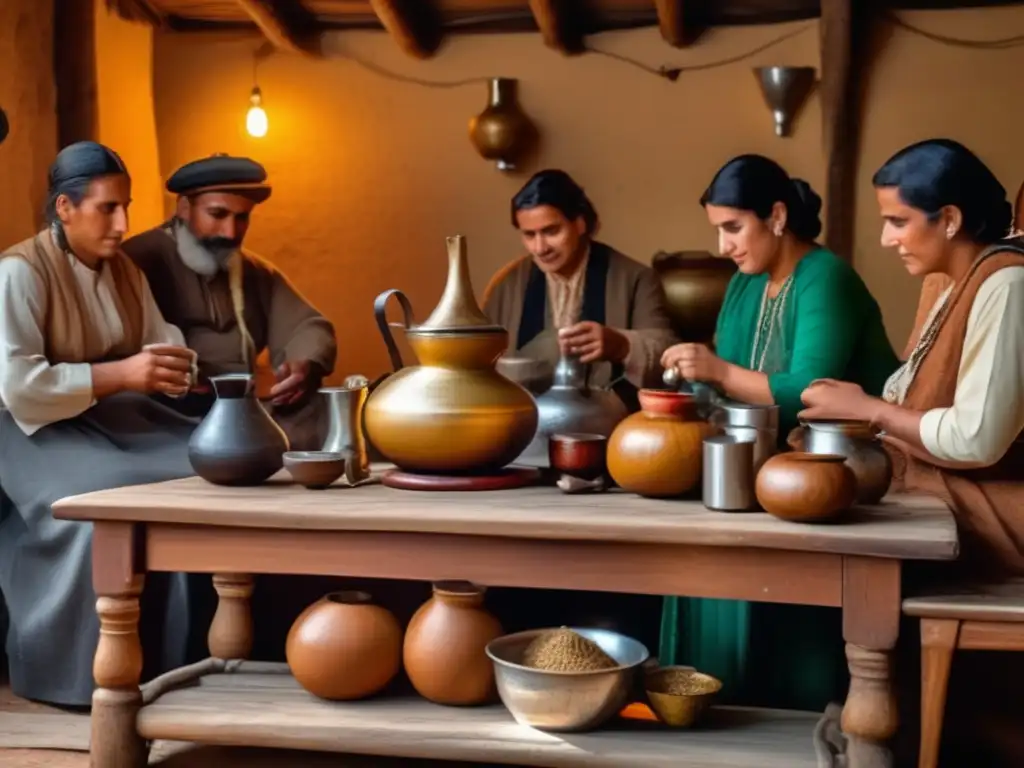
<point x="845" y="62"/>
<point x="414" y="24"/>
<point x="559" y="22"/>
<point x="670" y="22"/>
<point x="137" y="10"/>
<point x="286" y="24"/>
<point x="548" y="22"/>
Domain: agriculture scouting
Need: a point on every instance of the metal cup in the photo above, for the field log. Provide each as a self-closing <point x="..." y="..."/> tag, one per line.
<point x="729" y="474"/>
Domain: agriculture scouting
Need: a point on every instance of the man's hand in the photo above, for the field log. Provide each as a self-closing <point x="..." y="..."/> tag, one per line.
<point x="593" y="342"/>
<point x="296" y="380"/>
<point x="158" y="368"/>
<point x="695" y="362"/>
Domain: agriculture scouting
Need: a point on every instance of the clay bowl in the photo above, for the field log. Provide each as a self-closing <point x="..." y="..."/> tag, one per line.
<point x="805" y="487"/>
<point x="580" y="455"/>
<point x="679" y="695"/>
<point x="314" y="469"/>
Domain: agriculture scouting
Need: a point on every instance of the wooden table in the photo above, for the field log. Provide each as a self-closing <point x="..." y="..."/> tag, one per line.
<point x="534" y="537"/>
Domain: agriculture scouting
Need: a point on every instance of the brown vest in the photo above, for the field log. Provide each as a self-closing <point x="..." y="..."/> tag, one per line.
<point x="988" y="502"/>
<point x="67" y="335"/>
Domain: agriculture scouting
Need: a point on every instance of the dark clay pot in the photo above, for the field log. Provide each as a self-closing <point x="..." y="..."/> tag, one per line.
<point x="238" y="443"/>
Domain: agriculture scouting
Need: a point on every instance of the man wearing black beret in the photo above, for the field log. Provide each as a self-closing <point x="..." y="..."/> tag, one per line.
<point x="231" y="304"/>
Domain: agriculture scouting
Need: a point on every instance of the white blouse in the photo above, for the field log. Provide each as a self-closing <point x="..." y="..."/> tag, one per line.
<point x="34" y="391"/>
<point x="987" y="413"/>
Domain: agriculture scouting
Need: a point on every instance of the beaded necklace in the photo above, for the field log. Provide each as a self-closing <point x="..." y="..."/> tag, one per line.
<point x="767" y="322"/>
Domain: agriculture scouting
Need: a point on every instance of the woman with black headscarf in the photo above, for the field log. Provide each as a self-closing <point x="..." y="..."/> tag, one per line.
<point x="82" y="349"/>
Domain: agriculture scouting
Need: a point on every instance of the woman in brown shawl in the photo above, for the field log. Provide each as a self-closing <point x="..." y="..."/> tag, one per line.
<point x="953" y="414"/>
<point x="83" y="348"/>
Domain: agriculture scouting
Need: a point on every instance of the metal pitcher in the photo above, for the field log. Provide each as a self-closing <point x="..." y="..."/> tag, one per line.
<point x="345" y="433"/>
<point x="758" y="424"/>
<point x="572" y="405"/>
<point x="859" y="443"/>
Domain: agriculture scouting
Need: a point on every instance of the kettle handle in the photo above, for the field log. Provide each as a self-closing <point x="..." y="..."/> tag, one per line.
<point x="380" y="307"/>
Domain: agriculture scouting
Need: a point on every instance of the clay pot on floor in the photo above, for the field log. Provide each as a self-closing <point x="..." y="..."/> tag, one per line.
<point x="805" y="487"/>
<point x="444" y="646"/>
<point x="658" y="452"/>
<point x="344" y="647"/>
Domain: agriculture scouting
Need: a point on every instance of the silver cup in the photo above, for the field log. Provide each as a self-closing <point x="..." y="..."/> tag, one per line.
<point x="729" y="474"/>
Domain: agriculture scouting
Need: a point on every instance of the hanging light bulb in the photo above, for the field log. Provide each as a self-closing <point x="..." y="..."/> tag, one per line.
<point x="256" y="119"/>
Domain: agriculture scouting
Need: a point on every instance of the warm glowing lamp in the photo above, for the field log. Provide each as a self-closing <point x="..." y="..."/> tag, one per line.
<point x="256" y="119"/>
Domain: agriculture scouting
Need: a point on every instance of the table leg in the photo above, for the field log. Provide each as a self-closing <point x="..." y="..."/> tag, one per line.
<point x="117" y="669"/>
<point x="118" y="568"/>
<point x="230" y="635"/>
<point x="871" y="611"/>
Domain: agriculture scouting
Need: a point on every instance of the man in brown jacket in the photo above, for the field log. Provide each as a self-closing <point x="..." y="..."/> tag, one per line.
<point x="230" y="304"/>
<point x="574" y="294"/>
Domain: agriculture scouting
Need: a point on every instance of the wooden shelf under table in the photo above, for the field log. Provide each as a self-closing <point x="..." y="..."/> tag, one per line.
<point x="266" y="707"/>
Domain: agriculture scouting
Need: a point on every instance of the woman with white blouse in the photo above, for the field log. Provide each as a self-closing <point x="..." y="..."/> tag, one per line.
<point x="83" y="350"/>
<point x="952" y="416"/>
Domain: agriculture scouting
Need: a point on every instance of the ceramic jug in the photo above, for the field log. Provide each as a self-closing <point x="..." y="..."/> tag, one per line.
<point x="237" y="443"/>
<point x="444" y="648"/>
<point x="658" y="452"/>
<point x="344" y="647"/>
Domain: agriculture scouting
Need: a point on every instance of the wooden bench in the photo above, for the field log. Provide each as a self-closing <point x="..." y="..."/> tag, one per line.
<point x="983" y="617"/>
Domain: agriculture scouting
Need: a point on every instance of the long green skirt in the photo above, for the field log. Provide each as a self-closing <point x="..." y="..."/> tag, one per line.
<point x="765" y="654"/>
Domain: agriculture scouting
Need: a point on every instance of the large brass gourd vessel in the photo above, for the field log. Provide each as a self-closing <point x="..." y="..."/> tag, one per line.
<point x="452" y="414"/>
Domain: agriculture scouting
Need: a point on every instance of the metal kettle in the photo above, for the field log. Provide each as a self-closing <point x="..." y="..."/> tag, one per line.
<point x="572" y="406"/>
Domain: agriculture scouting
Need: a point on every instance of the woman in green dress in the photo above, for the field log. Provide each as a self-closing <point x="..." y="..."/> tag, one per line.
<point x="794" y="312"/>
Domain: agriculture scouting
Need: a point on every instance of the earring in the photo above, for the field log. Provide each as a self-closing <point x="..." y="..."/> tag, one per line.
<point x="777" y="231"/>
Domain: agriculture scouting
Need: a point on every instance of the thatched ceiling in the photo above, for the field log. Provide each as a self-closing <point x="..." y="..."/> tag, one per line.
<point x="419" y="26"/>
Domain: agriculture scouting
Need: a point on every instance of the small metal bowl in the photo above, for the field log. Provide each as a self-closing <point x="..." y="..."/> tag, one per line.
<point x="679" y="710"/>
<point x="565" y="701"/>
<point x="579" y="455"/>
<point x="314" y="469"/>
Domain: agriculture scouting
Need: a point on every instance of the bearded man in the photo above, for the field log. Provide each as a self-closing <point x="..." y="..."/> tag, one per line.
<point x="231" y="304"/>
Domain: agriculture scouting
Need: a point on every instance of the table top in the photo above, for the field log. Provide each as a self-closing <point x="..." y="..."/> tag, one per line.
<point x="910" y="527"/>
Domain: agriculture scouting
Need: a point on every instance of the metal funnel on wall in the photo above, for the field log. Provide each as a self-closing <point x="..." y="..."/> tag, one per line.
<point x="785" y="89"/>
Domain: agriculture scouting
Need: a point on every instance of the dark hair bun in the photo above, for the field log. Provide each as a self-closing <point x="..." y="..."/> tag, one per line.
<point x="804" y="211"/>
<point x="756" y="183"/>
<point x="998" y="225"/>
